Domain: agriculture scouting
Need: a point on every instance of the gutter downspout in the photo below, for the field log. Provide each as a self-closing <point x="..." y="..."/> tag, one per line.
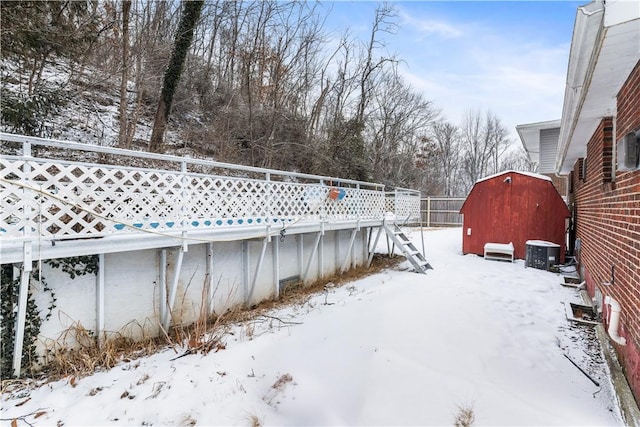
<point x="614" y="320"/>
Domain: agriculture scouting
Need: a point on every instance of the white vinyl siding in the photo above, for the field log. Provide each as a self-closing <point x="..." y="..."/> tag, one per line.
<point x="548" y="146"/>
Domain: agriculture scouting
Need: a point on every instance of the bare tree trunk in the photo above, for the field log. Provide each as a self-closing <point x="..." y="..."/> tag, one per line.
<point x="383" y="22"/>
<point x="188" y="20"/>
<point x="447" y="139"/>
<point x="122" y="134"/>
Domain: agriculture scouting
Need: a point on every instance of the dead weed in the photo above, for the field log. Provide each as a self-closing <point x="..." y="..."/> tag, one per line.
<point x="465" y="417"/>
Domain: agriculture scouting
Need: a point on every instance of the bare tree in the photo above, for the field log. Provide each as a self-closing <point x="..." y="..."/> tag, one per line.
<point x="517" y="159"/>
<point x="124" y="77"/>
<point x="484" y="141"/>
<point x="348" y="103"/>
<point x="399" y="119"/>
<point x="476" y="150"/>
<point x="383" y="22"/>
<point x="255" y="83"/>
<point x="150" y="40"/>
<point x="184" y="35"/>
<point x="497" y="139"/>
<point x="446" y="137"/>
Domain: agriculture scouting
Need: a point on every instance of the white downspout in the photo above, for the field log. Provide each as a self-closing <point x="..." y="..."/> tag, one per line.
<point x="614" y="320"/>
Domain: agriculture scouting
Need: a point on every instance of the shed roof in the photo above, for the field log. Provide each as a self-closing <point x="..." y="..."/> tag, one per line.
<point x="507" y="172"/>
<point x="530" y="174"/>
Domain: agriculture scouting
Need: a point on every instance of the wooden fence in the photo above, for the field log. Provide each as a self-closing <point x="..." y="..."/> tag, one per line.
<point x="441" y="211"/>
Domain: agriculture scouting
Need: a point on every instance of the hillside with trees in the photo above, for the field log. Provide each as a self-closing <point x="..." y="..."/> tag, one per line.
<point x="261" y="83"/>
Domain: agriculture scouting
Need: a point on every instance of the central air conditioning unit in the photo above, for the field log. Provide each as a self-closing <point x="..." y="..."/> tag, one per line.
<point x="541" y="254"/>
<point x="628" y="149"/>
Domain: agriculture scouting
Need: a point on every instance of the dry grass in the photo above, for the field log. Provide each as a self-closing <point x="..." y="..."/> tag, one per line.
<point x="85" y="355"/>
<point x="81" y="355"/>
<point x="205" y="334"/>
<point x="254" y="421"/>
<point x="465" y="417"/>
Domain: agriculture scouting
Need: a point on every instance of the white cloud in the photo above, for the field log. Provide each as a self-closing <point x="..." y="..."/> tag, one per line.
<point x="430" y="27"/>
<point x="516" y="76"/>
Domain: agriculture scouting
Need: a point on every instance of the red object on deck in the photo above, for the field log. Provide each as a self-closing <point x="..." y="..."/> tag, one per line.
<point x="513" y="207"/>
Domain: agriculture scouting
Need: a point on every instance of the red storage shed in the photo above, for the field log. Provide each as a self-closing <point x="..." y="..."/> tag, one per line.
<point x="513" y="207"/>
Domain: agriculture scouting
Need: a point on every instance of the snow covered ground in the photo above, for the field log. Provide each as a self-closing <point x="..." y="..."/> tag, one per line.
<point x="395" y="348"/>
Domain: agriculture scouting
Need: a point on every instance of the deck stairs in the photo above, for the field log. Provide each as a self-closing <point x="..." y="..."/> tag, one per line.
<point x="413" y="255"/>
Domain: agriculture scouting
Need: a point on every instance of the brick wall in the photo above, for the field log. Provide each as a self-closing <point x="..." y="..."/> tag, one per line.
<point x="629" y="104"/>
<point x="560" y="182"/>
<point x="608" y="224"/>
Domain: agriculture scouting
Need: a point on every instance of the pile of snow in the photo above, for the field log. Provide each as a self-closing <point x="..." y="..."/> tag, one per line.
<point x="396" y="348"/>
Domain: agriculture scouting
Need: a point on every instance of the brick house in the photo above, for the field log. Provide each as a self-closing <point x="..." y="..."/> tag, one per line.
<point x="599" y="131"/>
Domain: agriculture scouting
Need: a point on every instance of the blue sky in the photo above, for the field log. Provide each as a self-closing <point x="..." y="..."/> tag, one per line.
<point x="506" y="56"/>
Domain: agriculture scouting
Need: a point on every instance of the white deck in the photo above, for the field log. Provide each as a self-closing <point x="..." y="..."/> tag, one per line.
<point x="140" y="212"/>
<point x="63" y="199"/>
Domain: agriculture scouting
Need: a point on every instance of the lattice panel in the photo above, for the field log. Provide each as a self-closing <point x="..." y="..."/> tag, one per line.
<point x="94" y="199"/>
<point x="67" y="198"/>
<point x="356" y="203"/>
<point x="390" y="203"/>
<point x="407" y="206"/>
<point x="12" y="217"/>
<point x="223" y="199"/>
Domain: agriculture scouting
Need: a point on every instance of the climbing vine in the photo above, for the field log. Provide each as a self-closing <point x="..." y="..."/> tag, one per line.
<point x="76" y="265"/>
<point x="9" y="293"/>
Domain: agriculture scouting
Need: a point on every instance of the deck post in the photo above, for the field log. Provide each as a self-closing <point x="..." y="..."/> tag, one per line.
<point x="314" y="251"/>
<point x="209" y="275"/>
<point x="22" y="315"/>
<point x="265" y="243"/>
<point x="366" y="241"/>
<point x="162" y="284"/>
<point x="354" y="257"/>
<point x="100" y="301"/>
<point x="276" y="267"/>
<point x="300" y="243"/>
<point x="321" y="251"/>
<point x="372" y="250"/>
<point x="174" y="288"/>
<point x="347" y="258"/>
<point x="336" y="250"/>
<point x="245" y="272"/>
<point x="27" y="266"/>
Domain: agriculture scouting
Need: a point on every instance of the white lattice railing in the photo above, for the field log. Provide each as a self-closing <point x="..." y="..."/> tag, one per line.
<point x="405" y="204"/>
<point x="57" y="190"/>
